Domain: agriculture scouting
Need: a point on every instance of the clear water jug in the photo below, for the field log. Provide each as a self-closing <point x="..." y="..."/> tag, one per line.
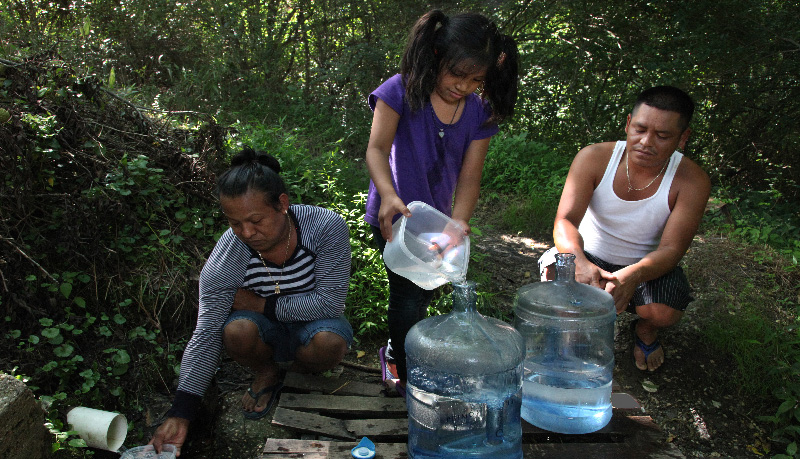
<point x="569" y="338"/>
<point x="464" y="388"/>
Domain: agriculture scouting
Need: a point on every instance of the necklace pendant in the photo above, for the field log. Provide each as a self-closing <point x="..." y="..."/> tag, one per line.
<point x="441" y="133"/>
<point x="277" y="289"/>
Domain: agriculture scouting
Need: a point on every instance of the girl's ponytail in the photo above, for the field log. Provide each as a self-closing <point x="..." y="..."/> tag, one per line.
<point x="500" y="86"/>
<point x="420" y="63"/>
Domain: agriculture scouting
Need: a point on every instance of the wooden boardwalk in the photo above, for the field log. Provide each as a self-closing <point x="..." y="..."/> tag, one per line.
<point x="331" y="415"/>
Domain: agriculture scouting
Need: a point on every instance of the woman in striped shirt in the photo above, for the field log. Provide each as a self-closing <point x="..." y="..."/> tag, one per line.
<point x="272" y="290"/>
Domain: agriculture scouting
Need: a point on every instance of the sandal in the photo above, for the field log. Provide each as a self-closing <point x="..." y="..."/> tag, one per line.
<point x="274" y="389"/>
<point x="647" y="349"/>
<point x="388" y="374"/>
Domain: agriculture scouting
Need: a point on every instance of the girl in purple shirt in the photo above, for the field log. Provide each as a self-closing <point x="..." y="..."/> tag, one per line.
<point x="430" y="134"/>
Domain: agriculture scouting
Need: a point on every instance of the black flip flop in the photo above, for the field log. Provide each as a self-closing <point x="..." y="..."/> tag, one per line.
<point x="274" y="389"/>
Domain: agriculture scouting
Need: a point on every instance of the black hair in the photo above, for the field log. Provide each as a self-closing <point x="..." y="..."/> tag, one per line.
<point x="253" y="170"/>
<point x="438" y="42"/>
<point x="668" y="98"/>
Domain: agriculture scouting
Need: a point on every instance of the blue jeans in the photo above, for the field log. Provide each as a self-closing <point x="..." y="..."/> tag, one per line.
<point x="285" y="337"/>
<point x="408" y="304"/>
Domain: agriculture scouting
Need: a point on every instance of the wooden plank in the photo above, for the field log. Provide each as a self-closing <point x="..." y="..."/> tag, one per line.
<point x="347" y="405"/>
<point x="311" y="423"/>
<point x="378" y="406"/>
<point x="315" y="449"/>
<point x="290" y="448"/>
<point x="617" y="430"/>
<point x="322" y="415"/>
<point x="314" y="383"/>
<point x="623" y="401"/>
<point x="629" y="434"/>
<point x="379" y="429"/>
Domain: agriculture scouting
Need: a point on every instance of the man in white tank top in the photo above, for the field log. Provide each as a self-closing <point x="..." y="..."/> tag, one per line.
<point x="629" y="211"/>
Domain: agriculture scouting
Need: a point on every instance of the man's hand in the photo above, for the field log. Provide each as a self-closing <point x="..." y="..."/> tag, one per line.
<point x="172" y="432"/>
<point x="620" y="287"/>
<point x="246" y="300"/>
<point x="589" y="273"/>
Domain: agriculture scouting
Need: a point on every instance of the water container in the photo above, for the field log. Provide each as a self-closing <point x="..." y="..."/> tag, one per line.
<point x="569" y="337"/>
<point x="464" y="388"/>
<point x="428" y="248"/>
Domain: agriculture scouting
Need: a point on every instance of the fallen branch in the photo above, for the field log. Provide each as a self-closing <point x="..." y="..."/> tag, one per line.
<point x="22" y="252"/>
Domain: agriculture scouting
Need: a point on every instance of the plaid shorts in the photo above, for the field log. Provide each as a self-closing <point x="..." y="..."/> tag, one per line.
<point x="671" y="289"/>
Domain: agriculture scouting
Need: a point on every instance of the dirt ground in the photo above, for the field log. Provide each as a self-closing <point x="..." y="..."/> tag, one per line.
<point x="690" y="398"/>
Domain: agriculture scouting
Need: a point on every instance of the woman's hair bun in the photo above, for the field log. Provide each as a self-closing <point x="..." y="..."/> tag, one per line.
<point x="248" y="155"/>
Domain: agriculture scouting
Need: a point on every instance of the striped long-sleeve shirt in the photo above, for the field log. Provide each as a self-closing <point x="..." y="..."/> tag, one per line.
<point x="313" y="282"/>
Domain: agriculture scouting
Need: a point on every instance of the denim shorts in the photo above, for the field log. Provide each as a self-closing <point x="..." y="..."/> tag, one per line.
<point x="286" y="337"/>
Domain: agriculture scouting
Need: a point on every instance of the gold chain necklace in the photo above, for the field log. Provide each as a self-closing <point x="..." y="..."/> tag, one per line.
<point x="288" y="240"/>
<point x="441" y="129"/>
<point x="627" y="174"/>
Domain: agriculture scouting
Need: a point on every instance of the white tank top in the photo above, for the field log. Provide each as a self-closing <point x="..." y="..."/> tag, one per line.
<point x="623" y="232"/>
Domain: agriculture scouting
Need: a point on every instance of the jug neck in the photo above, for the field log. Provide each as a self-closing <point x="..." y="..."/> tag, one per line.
<point x="465" y="297"/>
<point x="565" y="267"/>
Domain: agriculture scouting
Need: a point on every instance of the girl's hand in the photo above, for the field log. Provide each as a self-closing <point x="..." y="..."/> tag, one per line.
<point x="390" y="208"/>
<point x="445" y="244"/>
<point x="465" y="225"/>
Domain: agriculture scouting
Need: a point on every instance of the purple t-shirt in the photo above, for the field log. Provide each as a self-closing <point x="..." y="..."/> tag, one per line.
<point x="425" y="166"/>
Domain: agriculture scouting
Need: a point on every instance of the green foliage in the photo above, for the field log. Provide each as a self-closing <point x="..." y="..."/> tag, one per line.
<point x="531" y="175"/>
<point x="786" y="419"/>
<point x="769" y="225"/>
<point x="760" y="218"/>
<point x="584" y="63"/>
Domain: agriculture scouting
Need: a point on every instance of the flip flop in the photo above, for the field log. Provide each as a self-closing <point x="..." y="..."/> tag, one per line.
<point x="274" y="389"/>
<point x="647" y="349"/>
<point x="390" y="381"/>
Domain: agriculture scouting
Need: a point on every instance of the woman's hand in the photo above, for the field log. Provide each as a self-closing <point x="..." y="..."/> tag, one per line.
<point x="172" y="432"/>
<point x="247" y="300"/>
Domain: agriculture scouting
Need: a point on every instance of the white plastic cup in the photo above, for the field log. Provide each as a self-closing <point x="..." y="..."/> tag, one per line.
<point x="99" y="429"/>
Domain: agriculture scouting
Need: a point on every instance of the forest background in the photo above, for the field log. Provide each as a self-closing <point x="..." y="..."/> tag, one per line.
<point x="115" y="117"/>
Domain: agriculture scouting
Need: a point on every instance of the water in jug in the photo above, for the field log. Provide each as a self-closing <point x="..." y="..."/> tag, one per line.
<point x="429" y="248"/>
<point x="464" y="388"/>
<point x="569" y="337"/>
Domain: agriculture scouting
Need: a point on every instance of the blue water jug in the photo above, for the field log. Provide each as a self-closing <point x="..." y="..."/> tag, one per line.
<point x="569" y="338"/>
<point x="464" y="388"/>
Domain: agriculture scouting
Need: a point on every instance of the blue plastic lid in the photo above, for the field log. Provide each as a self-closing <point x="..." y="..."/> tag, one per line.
<point x="364" y="450"/>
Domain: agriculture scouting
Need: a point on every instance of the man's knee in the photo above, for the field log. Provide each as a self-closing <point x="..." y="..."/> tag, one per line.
<point x="659" y="315"/>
